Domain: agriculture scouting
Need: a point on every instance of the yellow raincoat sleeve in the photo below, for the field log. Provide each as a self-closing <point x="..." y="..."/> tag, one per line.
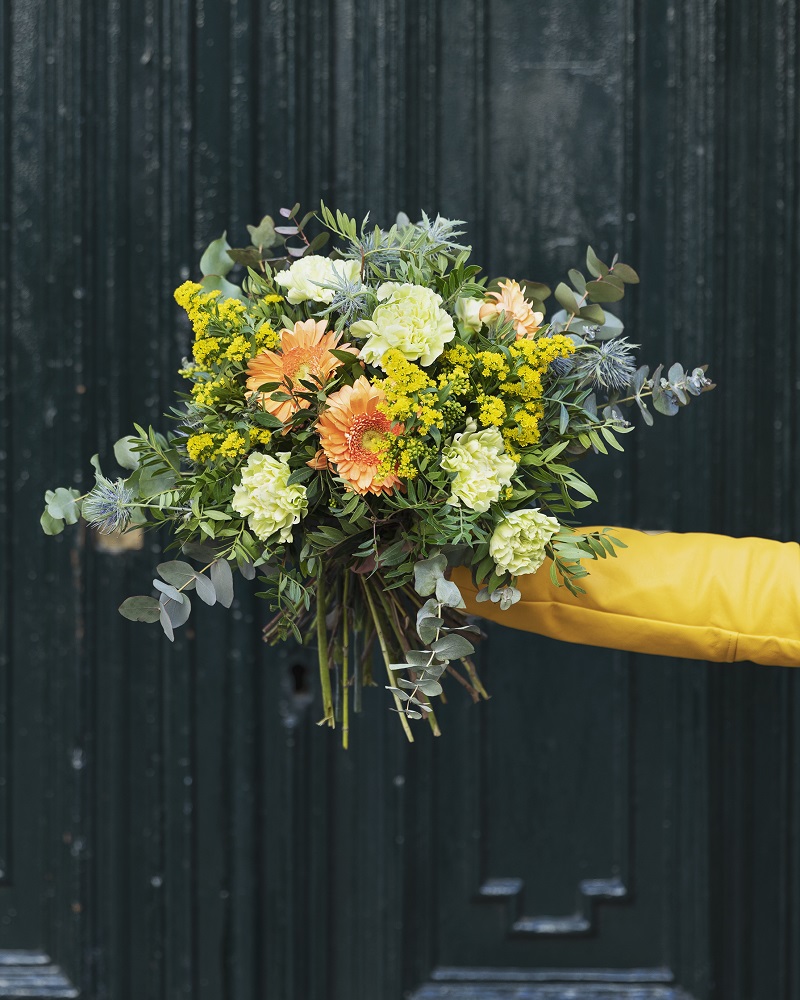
<point x="701" y="596"/>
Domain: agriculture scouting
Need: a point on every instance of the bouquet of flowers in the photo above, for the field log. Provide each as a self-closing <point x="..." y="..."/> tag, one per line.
<point x="355" y="423"/>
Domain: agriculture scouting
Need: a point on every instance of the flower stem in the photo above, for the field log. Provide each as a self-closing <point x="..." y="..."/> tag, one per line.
<point x="345" y="663"/>
<point x="386" y="658"/>
<point x="391" y="614"/>
<point x="322" y="653"/>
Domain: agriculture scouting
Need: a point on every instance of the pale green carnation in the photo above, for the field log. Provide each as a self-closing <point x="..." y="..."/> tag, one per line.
<point x="482" y="467"/>
<point x="267" y="501"/>
<point x="468" y="312"/>
<point x="409" y="319"/>
<point x="303" y="281"/>
<point x="518" y="542"/>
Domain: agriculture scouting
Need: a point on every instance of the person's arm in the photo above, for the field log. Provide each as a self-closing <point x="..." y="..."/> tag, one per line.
<point x="700" y="596"/>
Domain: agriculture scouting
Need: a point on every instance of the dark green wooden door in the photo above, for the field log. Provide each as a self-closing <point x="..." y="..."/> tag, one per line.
<point x="172" y="823"/>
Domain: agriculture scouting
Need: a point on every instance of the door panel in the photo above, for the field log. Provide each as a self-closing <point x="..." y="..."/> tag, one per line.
<point x="172" y="822"/>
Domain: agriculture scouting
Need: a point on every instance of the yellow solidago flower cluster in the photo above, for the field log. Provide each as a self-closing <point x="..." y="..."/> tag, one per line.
<point x="410" y="393"/>
<point x="401" y="456"/>
<point x="207" y="447"/>
<point x="221" y="329"/>
<point x="492" y="411"/>
<point x="506" y="385"/>
<point x="532" y="359"/>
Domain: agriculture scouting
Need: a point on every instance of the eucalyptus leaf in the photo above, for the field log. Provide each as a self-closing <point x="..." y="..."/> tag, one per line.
<point x="153" y="481"/>
<point x="604" y="291"/>
<point x="638" y="379"/>
<point x="452" y="647"/>
<point x="318" y="243"/>
<point x="140" y="609"/>
<point x="665" y="403"/>
<point x="248" y="571"/>
<point x="566" y="298"/>
<point x="205" y="589"/>
<point x="199" y="551"/>
<point x="647" y="416"/>
<point x="178" y="612"/>
<point x="417" y="658"/>
<point x="169" y="591"/>
<point x="535" y="290"/>
<point x="124" y="454"/>
<point x="594" y="314"/>
<point x="398" y="692"/>
<point x="62" y="504"/>
<point x="177" y="573"/>
<point x="427" y="572"/>
<point x="627" y="273"/>
<point x="215" y="259"/>
<point x="263" y="235"/>
<point x="578" y="280"/>
<point x="51" y="525"/>
<point x="447" y="593"/>
<point x="428" y="628"/>
<point x="594" y="265"/>
<point x="222" y="578"/>
<point x="218" y="283"/>
<point x="166" y="623"/>
<point x="248" y="257"/>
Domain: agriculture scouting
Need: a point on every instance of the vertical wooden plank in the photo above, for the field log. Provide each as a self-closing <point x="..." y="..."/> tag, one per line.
<point x="6" y="455"/>
<point x="25" y="438"/>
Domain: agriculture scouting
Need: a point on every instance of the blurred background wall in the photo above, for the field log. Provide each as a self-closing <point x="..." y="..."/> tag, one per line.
<point x="172" y="823"/>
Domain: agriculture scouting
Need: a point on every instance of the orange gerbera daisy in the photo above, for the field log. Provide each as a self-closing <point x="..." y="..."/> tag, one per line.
<point x="304" y="353"/>
<point x="511" y="301"/>
<point x="351" y="432"/>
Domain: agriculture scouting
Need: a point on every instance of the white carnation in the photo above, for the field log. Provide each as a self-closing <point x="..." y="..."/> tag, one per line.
<point x="482" y="467"/>
<point x="305" y="278"/>
<point x="518" y="542"/>
<point x="409" y="319"/>
<point x="267" y="501"/>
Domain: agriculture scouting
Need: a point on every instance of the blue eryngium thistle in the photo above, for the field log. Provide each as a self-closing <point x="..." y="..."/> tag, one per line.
<point x="107" y="507"/>
<point x="440" y="234"/>
<point x="610" y="364"/>
<point x="378" y="248"/>
<point x="351" y="299"/>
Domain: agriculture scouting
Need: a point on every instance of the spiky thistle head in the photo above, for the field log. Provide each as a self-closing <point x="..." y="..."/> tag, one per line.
<point x="608" y="365"/>
<point x="108" y="506"/>
<point x="351" y="297"/>
<point x="440" y="234"/>
<point x="377" y="247"/>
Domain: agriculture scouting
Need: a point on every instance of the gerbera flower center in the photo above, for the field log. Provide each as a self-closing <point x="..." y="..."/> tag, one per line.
<point x="371" y="440"/>
<point x="300" y="362"/>
<point x="364" y="437"/>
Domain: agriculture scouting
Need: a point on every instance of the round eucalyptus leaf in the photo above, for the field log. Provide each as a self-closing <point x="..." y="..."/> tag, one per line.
<point x="125" y="456"/>
<point x="51" y="525"/>
<point x="222" y="578"/>
<point x="205" y="589"/>
<point x="215" y="260"/>
<point x="169" y="591"/>
<point x="140" y="609"/>
<point x="177" y="573"/>
<point x="452" y="647"/>
<point x="177" y="612"/>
